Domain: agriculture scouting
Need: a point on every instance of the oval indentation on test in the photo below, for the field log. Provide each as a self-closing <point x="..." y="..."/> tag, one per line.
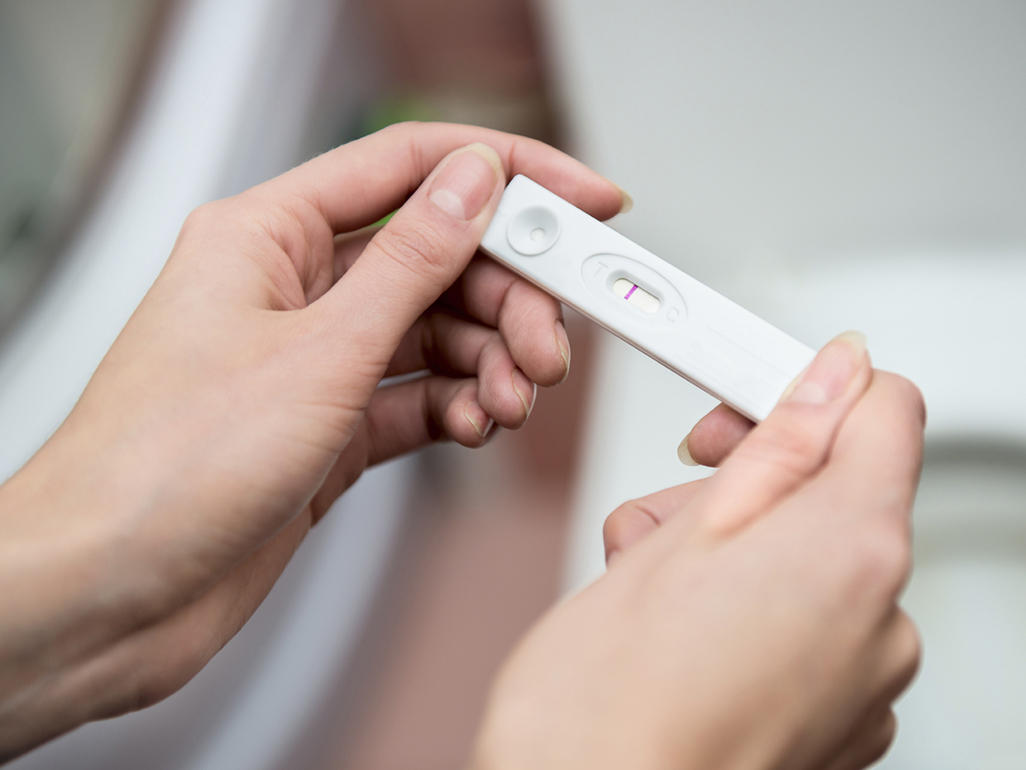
<point x="613" y="275"/>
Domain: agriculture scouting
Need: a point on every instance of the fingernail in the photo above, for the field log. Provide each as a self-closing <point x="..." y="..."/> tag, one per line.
<point x="563" y="345"/>
<point x="476" y="416"/>
<point x="626" y="201"/>
<point x="831" y="371"/>
<point x="466" y="181"/>
<point x="525" y="390"/>
<point x="684" y="453"/>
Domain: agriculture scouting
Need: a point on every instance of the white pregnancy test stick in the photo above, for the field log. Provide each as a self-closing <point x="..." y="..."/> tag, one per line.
<point x="708" y="340"/>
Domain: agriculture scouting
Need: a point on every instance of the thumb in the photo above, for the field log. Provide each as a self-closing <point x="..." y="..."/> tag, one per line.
<point x="416" y="256"/>
<point x="794" y="442"/>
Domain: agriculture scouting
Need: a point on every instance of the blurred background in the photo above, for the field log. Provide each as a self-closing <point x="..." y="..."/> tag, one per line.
<point x="829" y="166"/>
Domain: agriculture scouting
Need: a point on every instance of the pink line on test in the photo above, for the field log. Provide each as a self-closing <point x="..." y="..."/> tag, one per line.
<point x="630" y="291"/>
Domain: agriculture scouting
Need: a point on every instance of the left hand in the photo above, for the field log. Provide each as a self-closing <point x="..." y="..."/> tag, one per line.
<point x="242" y="398"/>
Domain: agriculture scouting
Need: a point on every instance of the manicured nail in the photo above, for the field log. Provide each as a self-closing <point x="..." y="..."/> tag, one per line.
<point x="626" y="201"/>
<point x="466" y="181"/>
<point x="525" y="390"/>
<point x="476" y="416"/>
<point x="831" y="371"/>
<point x="684" y="453"/>
<point x="563" y="345"/>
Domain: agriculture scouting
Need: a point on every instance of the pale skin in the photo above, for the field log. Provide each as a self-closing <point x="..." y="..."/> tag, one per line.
<point x="746" y="621"/>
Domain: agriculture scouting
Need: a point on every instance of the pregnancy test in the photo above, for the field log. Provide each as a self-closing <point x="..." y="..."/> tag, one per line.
<point x="701" y="335"/>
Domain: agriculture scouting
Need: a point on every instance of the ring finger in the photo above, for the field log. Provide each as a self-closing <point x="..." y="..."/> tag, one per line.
<point x="449" y="345"/>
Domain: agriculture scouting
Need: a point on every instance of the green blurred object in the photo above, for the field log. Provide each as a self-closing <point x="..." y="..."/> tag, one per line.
<point x="68" y="73"/>
<point x="394" y="108"/>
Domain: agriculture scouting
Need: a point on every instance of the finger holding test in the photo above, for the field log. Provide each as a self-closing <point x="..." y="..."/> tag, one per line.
<point x="411" y="260"/>
<point x="890" y="418"/>
<point x="714" y="437"/>
<point x="794" y="441"/>
<point x="529" y="320"/>
<point x="357" y="183"/>
<point x="444" y="343"/>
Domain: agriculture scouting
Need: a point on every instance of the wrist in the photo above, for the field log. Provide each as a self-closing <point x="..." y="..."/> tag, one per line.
<point x="532" y="735"/>
<point x="620" y="726"/>
<point x="69" y="526"/>
<point x="59" y="607"/>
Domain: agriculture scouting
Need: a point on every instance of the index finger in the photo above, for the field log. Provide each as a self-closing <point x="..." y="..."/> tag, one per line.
<point x="714" y="437"/>
<point x="635" y="519"/>
<point x="357" y="183"/>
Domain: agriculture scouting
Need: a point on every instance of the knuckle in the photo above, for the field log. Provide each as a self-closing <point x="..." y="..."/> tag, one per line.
<point x="909" y="649"/>
<point x="910" y="397"/>
<point x="614" y="529"/>
<point x="403" y="128"/>
<point x="788" y="446"/>
<point x="207" y="216"/>
<point x="627" y="523"/>
<point x="880" y="562"/>
<point x="884" y="737"/>
<point x="421" y="249"/>
<point x="148" y="694"/>
<point x="294" y="224"/>
<point x="149" y="686"/>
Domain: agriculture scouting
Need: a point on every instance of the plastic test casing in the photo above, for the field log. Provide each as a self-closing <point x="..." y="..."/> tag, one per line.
<point x="701" y="335"/>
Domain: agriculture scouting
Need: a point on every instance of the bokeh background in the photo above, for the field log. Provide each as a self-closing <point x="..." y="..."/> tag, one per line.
<point x="830" y="166"/>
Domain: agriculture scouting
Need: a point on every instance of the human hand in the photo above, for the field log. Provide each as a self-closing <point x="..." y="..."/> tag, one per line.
<point x="243" y="397"/>
<point x="748" y="620"/>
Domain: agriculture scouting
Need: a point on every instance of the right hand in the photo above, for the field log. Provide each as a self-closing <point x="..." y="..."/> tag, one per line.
<point x="749" y="620"/>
